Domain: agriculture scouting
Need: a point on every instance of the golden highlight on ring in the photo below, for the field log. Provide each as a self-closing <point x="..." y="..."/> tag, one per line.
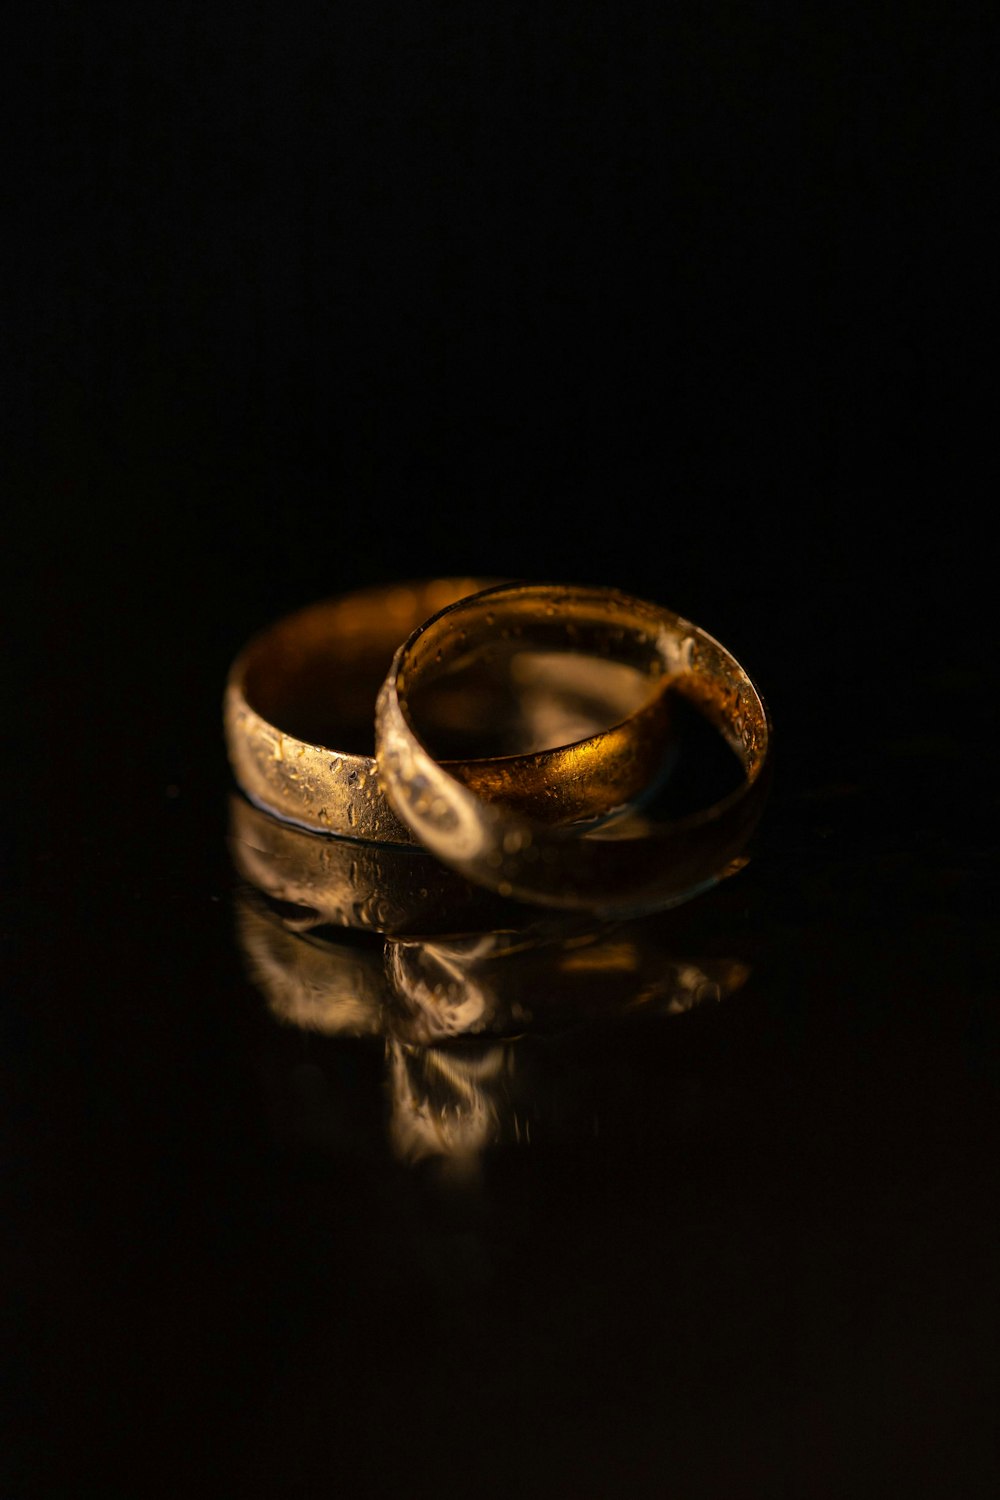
<point x="516" y="737"/>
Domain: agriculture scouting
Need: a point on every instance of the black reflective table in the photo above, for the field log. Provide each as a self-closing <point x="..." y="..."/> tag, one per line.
<point x="691" y="303"/>
<point x="715" y="1214"/>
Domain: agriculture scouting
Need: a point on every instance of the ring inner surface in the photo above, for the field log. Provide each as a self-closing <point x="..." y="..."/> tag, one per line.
<point x="614" y="656"/>
<point x="317" y="674"/>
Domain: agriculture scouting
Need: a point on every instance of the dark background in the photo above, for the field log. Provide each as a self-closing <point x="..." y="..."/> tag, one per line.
<point x="689" y="300"/>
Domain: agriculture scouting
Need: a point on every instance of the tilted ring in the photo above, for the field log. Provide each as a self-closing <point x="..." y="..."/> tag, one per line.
<point x="622" y="869"/>
<point x="299" y="707"/>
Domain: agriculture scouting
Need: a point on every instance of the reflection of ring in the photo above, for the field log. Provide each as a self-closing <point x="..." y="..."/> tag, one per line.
<point x="317" y="986"/>
<point x="316" y="675"/>
<point x="628" y="868"/>
<point x="441" y="990"/>
<point x="372" y="887"/>
<point x="425" y="993"/>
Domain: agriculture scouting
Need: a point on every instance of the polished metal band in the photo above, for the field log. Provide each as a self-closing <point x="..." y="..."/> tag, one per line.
<point x="624" y="868"/>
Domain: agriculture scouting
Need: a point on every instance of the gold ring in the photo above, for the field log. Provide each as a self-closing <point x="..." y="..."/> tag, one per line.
<point x="622" y="869"/>
<point x="300" y="700"/>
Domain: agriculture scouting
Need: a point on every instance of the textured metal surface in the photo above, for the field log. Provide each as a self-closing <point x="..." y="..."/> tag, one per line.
<point x="323" y="666"/>
<point x="625" y="869"/>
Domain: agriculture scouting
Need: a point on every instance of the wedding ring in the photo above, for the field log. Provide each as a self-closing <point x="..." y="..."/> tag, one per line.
<point x="621" y="869"/>
<point x="300" y="700"/>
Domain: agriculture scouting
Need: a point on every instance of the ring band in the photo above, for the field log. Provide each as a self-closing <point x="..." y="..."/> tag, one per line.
<point x="309" y="683"/>
<point x="624" y="870"/>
